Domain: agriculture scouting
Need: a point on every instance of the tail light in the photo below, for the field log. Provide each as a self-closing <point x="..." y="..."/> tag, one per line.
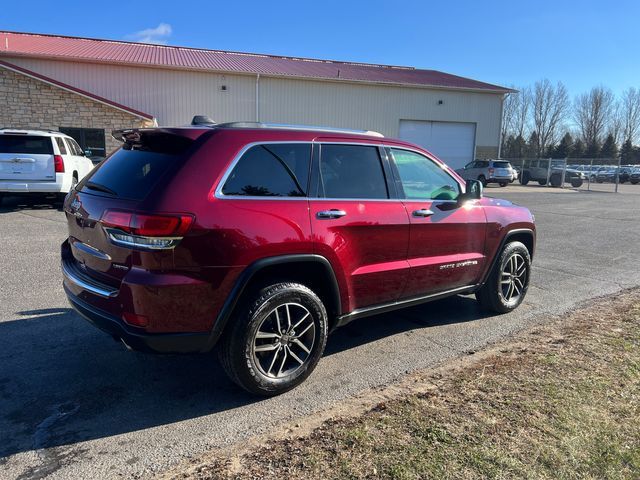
<point x="491" y="170"/>
<point x="58" y="163"/>
<point x="147" y="232"/>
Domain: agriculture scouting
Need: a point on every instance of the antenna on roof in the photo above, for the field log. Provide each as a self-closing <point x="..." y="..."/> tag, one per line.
<point x="202" y="120"/>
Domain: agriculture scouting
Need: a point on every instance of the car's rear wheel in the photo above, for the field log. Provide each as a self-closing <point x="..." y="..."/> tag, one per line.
<point x="525" y="178"/>
<point x="542" y="183"/>
<point x="274" y="344"/>
<point x="508" y="282"/>
<point x="503" y="184"/>
<point x="634" y="182"/>
<point x="576" y="182"/>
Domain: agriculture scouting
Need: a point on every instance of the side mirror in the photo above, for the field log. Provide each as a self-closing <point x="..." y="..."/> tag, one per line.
<point x="473" y="191"/>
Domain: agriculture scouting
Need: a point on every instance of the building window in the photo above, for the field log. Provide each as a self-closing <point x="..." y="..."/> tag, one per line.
<point x="91" y="140"/>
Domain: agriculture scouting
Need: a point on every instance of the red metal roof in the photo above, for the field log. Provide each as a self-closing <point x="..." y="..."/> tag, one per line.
<point x="73" y="89"/>
<point x="111" y="51"/>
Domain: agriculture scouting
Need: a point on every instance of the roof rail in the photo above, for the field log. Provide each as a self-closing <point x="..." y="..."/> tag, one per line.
<point x="283" y="126"/>
<point x="13" y="129"/>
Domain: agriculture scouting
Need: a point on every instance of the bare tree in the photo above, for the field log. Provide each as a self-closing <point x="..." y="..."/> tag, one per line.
<point x="616" y="123"/>
<point x="515" y="113"/>
<point x="550" y="107"/>
<point x="630" y="114"/>
<point x="592" y="114"/>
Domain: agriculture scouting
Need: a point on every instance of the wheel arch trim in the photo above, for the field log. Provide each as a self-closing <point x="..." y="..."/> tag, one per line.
<point x="510" y="234"/>
<point x="245" y="277"/>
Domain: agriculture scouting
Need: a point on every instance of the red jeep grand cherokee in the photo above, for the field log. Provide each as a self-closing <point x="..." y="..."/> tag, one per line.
<point x="262" y="239"/>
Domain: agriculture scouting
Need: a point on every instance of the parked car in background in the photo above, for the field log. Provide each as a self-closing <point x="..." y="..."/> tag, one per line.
<point x="634" y="176"/>
<point x="263" y="239"/>
<point x="35" y="162"/>
<point x="606" y="175"/>
<point x="489" y="171"/>
<point x="539" y="170"/>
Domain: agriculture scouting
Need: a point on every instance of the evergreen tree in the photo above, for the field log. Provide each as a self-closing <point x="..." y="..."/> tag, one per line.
<point x="533" y="145"/>
<point x="565" y="148"/>
<point x="592" y="150"/>
<point x="626" y="152"/>
<point x="579" y="149"/>
<point x="609" y="148"/>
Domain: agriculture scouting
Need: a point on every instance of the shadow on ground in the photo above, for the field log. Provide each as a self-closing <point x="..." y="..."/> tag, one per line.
<point x="62" y="381"/>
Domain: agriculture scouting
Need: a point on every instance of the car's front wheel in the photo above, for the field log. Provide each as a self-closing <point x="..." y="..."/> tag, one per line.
<point x="508" y="282"/>
<point x="276" y="341"/>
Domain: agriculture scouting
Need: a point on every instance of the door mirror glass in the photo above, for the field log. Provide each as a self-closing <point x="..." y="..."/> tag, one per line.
<point x="473" y="190"/>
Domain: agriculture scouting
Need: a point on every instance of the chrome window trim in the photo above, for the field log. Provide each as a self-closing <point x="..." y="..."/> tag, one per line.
<point x="221" y="196"/>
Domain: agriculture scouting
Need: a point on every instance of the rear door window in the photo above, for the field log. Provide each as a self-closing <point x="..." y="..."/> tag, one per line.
<point x="28" y="144"/>
<point x="352" y="171"/>
<point x="61" y="146"/>
<point x="271" y="170"/>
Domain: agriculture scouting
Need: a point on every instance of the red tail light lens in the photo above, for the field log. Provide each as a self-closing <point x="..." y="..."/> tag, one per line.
<point x="58" y="163"/>
<point x="135" y="319"/>
<point x="147" y="225"/>
<point x="491" y="170"/>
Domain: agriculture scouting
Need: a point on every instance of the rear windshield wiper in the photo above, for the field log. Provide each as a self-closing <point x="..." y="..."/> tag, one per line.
<point x="101" y="188"/>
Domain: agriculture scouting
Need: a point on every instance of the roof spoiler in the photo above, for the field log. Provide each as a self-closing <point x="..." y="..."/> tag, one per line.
<point x="160" y="140"/>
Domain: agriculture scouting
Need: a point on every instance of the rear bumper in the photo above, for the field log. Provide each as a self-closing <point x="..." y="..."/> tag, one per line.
<point x="22" y="187"/>
<point x="137" y="339"/>
<point x="499" y="179"/>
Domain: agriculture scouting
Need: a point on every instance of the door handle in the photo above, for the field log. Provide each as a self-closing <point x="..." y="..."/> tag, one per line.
<point x="423" y="212"/>
<point x="329" y="214"/>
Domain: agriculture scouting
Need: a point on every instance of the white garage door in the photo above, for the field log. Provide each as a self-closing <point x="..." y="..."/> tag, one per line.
<point x="450" y="141"/>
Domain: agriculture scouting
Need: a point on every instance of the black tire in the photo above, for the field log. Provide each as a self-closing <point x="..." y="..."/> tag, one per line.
<point x="246" y="367"/>
<point x="525" y="178"/>
<point x="503" y="184"/>
<point x="599" y="180"/>
<point x="492" y="295"/>
<point x="576" y="182"/>
<point x="634" y="182"/>
<point x="1" y="197"/>
<point x="542" y="183"/>
<point x="482" y="180"/>
<point x="555" y="180"/>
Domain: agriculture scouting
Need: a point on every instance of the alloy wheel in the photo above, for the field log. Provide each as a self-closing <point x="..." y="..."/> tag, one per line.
<point x="284" y="340"/>
<point x="513" y="278"/>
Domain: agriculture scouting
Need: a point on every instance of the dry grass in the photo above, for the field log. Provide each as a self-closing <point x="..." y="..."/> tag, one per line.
<point x="562" y="401"/>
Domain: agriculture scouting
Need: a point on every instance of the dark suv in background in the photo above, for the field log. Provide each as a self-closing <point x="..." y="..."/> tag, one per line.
<point x="261" y="240"/>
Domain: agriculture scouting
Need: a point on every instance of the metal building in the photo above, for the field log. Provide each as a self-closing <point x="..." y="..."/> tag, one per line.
<point x="72" y="84"/>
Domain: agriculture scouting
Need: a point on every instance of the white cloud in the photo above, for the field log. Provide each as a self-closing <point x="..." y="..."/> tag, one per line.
<point x="158" y="35"/>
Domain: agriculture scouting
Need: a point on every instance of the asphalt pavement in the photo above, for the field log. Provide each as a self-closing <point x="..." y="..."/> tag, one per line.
<point x="76" y="404"/>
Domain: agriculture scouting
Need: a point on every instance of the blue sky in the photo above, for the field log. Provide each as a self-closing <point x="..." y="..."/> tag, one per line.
<point x="582" y="44"/>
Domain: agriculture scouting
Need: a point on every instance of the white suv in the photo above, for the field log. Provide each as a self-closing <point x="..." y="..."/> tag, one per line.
<point x="42" y="162"/>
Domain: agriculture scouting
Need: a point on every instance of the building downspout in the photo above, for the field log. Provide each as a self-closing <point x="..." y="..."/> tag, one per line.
<point x="257" y="97"/>
<point x="500" y="127"/>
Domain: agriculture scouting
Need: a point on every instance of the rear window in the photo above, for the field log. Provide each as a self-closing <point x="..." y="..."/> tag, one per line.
<point x="129" y="174"/>
<point x="26" y="144"/>
<point x="501" y="164"/>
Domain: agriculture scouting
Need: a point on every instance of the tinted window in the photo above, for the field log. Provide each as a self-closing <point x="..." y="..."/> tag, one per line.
<point x="25" y="144"/>
<point x="352" y="171"/>
<point x="423" y="179"/>
<point x="271" y="170"/>
<point x="61" y="146"/>
<point x="501" y="164"/>
<point x="482" y="164"/>
<point x="128" y="174"/>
